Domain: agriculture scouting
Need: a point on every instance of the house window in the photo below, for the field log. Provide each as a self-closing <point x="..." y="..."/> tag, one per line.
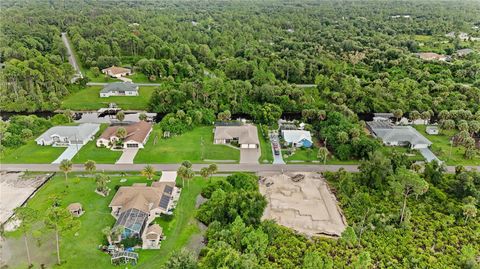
<point x="132" y="145"/>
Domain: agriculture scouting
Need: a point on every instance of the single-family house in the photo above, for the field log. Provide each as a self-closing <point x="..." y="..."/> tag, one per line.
<point x="116" y="71"/>
<point x="245" y="135"/>
<point x="136" y="136"/>
<point x="135" y="207"/>
<point x="463" y="52"/>
<point x="383" y="116"/>
<point x="431" y="56"/>
<point x="64" y="136"/>
<point x="431" y="130"/>
<point x="297" y="138"/>
<point x="119" y="89"/>
<point x="393" y="135"/>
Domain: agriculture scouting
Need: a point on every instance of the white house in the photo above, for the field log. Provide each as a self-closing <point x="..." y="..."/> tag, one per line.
<point x="136" y="135"/>
<point x="297" y="138"/>
<point x="63" y="136"/>
<point x="119" y="89"/>
<point x="393" y="135"/>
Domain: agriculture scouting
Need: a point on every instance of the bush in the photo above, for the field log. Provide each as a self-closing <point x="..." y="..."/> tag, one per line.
<point x="131" y="242"/>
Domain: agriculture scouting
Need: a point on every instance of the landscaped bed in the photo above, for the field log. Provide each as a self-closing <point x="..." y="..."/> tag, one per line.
<point x="89" y="99"/>
<point x="81" y="251"/>
<point x="196" y="146"/>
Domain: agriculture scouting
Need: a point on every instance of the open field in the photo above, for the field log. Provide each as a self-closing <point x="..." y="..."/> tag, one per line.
<point x="100" y="155"/>
<point x="89" y="99"/>
<point x="81" y="251"/>
<point x="31" y="153"/>
<point x="442" y="148"/>
<point x="196" y="146"/>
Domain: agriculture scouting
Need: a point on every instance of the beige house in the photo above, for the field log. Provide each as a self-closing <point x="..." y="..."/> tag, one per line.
<point x="245" y="135"/>
<point x="116" y="71"/>
<point x="136" y="206"/>
<point x="137" y="135"/>
<point x="431" y="56"/>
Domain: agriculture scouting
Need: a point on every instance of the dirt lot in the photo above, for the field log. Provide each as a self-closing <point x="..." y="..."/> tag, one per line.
<point x="15" y="189"/>
<point x="307" y="206"/>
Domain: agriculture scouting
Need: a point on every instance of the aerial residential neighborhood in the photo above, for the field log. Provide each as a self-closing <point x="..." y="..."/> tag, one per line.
<point x="239" y="134"/>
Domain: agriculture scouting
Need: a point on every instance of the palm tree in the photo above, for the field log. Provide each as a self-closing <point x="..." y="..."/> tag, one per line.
<point x="322" y="154"/>
<point x="26" y="216"/>
<point x="120" y="116"/>
<point x="121" y="133"/>
<point x="142" y="116"/>
<point x="113" y="233"/>
<point x="90" y="166"/>
<point x="212" y="169"/>
<point x="148" y="172"/>
<point x="66" y="167"/>
<point x="204" y="172"/>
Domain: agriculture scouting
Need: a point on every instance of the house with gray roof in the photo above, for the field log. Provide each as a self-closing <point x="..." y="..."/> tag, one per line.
<point x="463" y="52"/>
<point x="393" y="135"/>
<point x="297" y="138"/>
<point x="119" y="89"/>
<point x="64" y="136"/>
<point x="246" y="135"/>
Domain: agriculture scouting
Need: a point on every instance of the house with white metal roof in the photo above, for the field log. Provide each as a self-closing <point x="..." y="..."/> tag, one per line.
<point x="393" y="135"/>
<point x="64" y="136"/>
<point x="297" y="138"/>
<point x="119" y="89"/>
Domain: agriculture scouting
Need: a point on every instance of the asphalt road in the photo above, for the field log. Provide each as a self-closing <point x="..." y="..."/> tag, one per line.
<point x="197" y="167"/>
<point x="71" y="56"/>
<point x="139" y="84"/>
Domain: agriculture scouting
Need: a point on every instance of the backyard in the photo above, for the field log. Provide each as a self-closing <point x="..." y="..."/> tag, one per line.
<point x="445" y="151"/>
<point x="265" y="148"/>
<point x="80" y="251"/>
<point x="195" y="145"/>
<point x="89" y="99"/>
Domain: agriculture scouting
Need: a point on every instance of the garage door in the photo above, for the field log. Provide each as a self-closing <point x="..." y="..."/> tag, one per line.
<point x="252" y="146"/>
<point x="133" y="145"/>
<point x="244" y="146"/>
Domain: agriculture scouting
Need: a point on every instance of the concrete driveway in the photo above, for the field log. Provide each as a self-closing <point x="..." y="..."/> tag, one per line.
<point x="249" y="155"/>
<point x="277" y="159"/>
<point x="429" y="155"/>
<point x="68" y="154"/>
<point x="127" y="156"/>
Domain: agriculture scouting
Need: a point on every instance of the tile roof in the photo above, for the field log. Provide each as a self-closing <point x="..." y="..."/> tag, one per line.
<point x="115" y="70"/>
<point x="246" y="134"/>
<point x="137" y="131"/>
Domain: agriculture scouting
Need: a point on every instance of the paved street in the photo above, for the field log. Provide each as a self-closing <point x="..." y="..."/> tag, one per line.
<point x="197" y="167"/>
<point x="71" y="57"/>
<point x="139" y="84"/>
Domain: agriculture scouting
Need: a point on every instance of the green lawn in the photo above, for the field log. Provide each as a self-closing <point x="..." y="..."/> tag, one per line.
<point x="265" y="147"/>
<point x="31" y="153"/>
<point x="140" y="78"/>
<point x="89" y="99"/>
<point x="100" y="155"/>
<point x="444" y="151"/>
<point x="81" y="251"/>
<point x="187" y="146"/>
<point x="301" y="155"/>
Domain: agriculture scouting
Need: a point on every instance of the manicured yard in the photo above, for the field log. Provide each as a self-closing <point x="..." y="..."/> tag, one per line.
<point x="89" y="99"/>
<point x="196" y="146"/>
<point x="31" y="153"/>
<point x="81" y="251"/>
<point x="265" y="147"/>
<point x="444" y="151"/>
<point x="100" y="155"/>
<point x="301" y="155"/>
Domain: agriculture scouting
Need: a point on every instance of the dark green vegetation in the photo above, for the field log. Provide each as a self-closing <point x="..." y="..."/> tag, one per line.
<point x="242" y="56"/>
<point x="81" y="251"/>
<point x="434" y="229"/>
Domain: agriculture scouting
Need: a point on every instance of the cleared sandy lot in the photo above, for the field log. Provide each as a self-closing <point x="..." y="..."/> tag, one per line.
<point x="15" y="189"/>
<point x="307" y="206"/>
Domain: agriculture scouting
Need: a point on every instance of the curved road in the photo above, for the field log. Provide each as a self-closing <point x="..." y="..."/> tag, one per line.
<point x="197" y="167"/>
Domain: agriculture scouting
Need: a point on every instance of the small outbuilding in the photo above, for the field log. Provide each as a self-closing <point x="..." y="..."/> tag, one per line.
<point x="431" y="130"/>
<point x="75" y="209"/>
<point x="152" y="237"/>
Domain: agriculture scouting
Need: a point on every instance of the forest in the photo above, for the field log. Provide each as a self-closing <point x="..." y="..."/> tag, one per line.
<point x="242" y="56"/>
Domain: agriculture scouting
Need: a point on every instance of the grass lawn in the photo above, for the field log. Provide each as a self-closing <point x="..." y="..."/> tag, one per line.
<point x="140" y="78"/>
<point x="301" y="155"/>
<point x="413" y="155"/>
<point x="187" y="146"/>
<point x="265" y="147"/>
<point x="31" y="153"/>
<point x="100" y="155"/>
<point x="81" y="251"/>
<point x="444" y="151"/>
<point x="89" y="99"/>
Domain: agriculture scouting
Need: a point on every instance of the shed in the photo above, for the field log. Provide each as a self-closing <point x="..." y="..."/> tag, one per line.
<point x="75" y="209"/>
